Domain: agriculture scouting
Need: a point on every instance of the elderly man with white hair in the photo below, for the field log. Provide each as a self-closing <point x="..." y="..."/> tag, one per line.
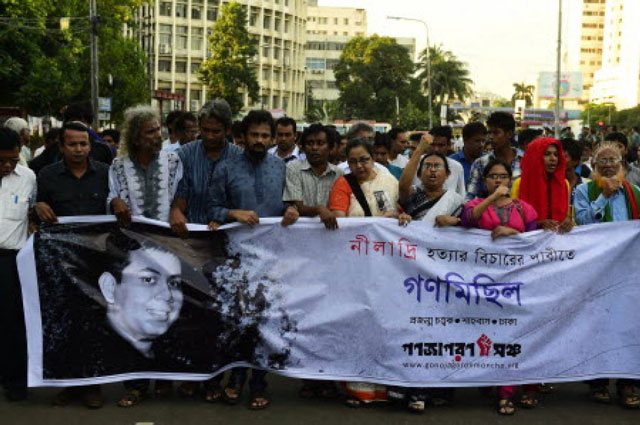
<point x="143" y="180"/>
<point x="21" y="127"/>
<point x="609" y="197"/>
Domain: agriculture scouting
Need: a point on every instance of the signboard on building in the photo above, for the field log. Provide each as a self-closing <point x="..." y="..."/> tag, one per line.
<point x="570" y="85"/>
<point x="104" y="104"/>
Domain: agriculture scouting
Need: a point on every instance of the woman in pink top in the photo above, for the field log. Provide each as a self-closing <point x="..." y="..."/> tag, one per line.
<point x="503" y="216"/>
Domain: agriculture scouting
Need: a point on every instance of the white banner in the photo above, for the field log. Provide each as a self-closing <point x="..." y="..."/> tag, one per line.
<point x="372" y="301"/>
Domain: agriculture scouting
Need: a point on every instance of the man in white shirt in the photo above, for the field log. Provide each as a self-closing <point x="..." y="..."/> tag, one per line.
<point x="286" y="148"/>
<point x="399" y="144"/>
<point x="17" y="195"/>
<point x="168" y="122"/>
<point x="21" y="128"/>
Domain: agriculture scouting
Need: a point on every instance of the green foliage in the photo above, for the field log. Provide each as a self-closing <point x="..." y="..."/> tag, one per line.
<point x="370" y="74"/>
<point x="524" y="92"/>
<point x="229" y="70"/>
<point x="593" y="113"/>
<point x="449" y="76"/>
<point x="44" y="68"/>
<point x="413" y="117"/>
<point x="503" y="103"/>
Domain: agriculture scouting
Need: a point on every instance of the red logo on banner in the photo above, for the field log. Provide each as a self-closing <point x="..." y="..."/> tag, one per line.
<point x="485" y="345"/>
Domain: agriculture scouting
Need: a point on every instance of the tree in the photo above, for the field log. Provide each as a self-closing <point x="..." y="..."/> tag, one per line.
<point x="229" y="70"/>
<point x="523" y="92"/>
<point x="44" y="67"/>
<point x="449" y="76"/>
<point x="595" y="113"/>
<point x="370" y="74"/>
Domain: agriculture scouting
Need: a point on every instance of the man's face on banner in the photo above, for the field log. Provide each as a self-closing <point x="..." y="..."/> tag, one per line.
<point x="149" y="296"/>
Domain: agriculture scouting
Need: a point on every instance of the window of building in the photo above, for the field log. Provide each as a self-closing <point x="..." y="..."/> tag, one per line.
<point x="276" y="75"/>
<point x="332" y="85"/>
<point x="346" y="21"/>
<point x="181" y="37"/>
<point x="196" y="38"/>
<point x="276" y="104"/>
<point x="165" y="8"/>
<point x="335" y="21"/>
<point x="285" y="103"/>
<point x="212" y="13"/>
<point x="265" y="51"/>
<point x="165" y="36"/>
<point x="196" y="12"/>
<point x="253" y="16"/>
<point x="322" y="21"/>
<point x="195" y="94"/>
<point x="315" y="63"/>
<point x="331" y="63"/>
<point x="181" y="10"/>
<point x="277" y="22"/>
<point x="195" y="66"/>
<point x="181" y="66"/>
<point x="266" y="21"/>
<point x="287" y="23"/>
<point x="164" y="66"/>
<point x="285" y="76"/>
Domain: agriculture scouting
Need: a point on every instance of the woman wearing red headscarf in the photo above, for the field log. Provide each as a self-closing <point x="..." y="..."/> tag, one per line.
<point x="543" y="185"/>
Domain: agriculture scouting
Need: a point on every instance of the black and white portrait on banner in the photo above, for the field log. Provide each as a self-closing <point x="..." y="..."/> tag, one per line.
<point x="122" y="300"/>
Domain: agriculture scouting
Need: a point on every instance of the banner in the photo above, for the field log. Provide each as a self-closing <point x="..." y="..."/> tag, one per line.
<point x="371" y="301"/>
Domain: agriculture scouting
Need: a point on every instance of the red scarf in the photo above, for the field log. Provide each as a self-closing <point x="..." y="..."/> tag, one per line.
<point x="536" y="186"/>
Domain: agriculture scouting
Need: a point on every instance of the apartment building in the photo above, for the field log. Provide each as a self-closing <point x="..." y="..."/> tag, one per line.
<point x="174" y="35"/>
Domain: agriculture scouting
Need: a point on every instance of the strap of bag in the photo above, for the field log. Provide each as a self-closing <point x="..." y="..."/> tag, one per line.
<point x="521" y="211"/>
<point x="427" y="205"/>
<point x="358" y="193"/>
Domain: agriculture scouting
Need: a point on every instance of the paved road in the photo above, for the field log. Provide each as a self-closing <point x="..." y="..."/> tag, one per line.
<point x="568" y="405"/>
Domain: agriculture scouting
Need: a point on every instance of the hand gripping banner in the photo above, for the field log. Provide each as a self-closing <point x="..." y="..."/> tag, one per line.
<point x="371" y="302"/>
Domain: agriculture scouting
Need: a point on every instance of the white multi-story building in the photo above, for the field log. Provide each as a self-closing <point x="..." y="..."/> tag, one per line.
<point x="174" y="35"/>
<point x="618" y="81"/>
<point x="328" y="31"/>
<point x="584" y="40"/>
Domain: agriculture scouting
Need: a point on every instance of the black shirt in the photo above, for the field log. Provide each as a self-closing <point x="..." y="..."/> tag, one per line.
<point x="99" y="152"/>
<point x="68" y="195"/>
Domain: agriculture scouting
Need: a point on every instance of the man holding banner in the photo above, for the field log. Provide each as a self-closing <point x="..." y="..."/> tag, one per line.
<point x="17" y="195"/>
<point x="608" y="198"/>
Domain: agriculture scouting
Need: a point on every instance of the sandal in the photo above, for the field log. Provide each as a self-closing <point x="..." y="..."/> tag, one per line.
<point x="259" y="400"/>
<point x="416" y="404"/>
<point x="601" y="394"/>
<point x="232" y="393"/>
<point x="132" y="398"/>
<point x="163" y="389"/>
<point x="506" y="407"/>
<point x="628" y="397"/>
<point x="353" y="402"/>
<point x="528" y="401"/>
<point x="546" y="388"/>
<point x="213" y="394"/>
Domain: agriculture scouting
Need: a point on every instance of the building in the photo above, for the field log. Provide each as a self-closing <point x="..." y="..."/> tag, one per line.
<point x="328" y="31"/>
<point x="617" y="82"/>
<point x="174" y="33"/>
<point x="584" y="40"/>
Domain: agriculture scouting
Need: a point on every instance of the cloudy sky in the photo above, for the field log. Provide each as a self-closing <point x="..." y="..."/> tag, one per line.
<point x="502" y="41"/>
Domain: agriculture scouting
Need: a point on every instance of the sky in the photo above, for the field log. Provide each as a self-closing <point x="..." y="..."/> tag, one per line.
<point x="502" y="41"/>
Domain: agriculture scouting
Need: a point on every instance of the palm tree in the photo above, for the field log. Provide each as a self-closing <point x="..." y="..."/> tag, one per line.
<point x="523" y="91"/>
<point x="449" y="76"/>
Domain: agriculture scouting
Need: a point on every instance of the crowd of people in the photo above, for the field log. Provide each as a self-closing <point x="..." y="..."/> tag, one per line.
<point x="212" y="171"/>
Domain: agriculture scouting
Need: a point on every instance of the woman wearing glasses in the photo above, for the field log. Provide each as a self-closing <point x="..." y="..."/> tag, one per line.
<point x="430" y="203"/>
<point x="502" y="216"/>
<point x="366" y="192"/>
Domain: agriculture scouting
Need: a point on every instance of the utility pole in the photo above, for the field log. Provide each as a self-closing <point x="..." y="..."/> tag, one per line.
<point x="93" y="18"/>
<point x="557" y="129"/>
<point x="426" y="29"/>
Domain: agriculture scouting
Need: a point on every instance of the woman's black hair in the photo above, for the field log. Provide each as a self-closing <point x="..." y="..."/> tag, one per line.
<point x="439" y="155"/>
<point x="360" y="141"/>
<point x="493" y="163"/>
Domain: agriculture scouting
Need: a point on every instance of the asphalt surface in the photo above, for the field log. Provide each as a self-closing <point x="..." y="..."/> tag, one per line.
<point x="569" y="404"/>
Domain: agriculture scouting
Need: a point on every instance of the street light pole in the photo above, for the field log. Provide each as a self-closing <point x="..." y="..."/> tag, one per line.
<point x="93" y="17"/>
<point x="557" y="112"/>
<point x="426" y="29"/>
